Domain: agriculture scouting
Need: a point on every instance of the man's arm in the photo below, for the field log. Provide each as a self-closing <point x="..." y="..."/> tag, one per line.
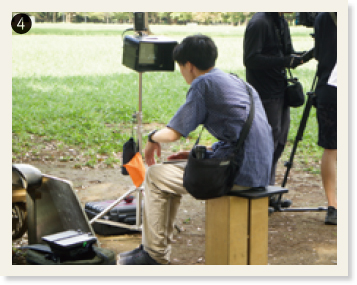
<point x="305" y="56"/>
<point x="165" y="135"/>
<point x="191" y="114"/>
<point x="316" y="39"/>
<point x="253" y="58"/>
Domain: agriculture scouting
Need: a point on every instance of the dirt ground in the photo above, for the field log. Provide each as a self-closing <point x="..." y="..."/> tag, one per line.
<point x="294" y="237"/>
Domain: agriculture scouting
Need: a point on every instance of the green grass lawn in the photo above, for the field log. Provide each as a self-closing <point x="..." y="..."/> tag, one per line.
<point x="69" y="86"/>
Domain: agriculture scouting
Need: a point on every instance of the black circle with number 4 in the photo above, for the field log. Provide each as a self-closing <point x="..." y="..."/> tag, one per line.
<point x="21" y="23"/>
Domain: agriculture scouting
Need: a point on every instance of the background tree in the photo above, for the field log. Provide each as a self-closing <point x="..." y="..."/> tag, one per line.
<point x="69" y="17"/>
<point x="290" y="18"/>
<point x="205" y="18"/>
<point x="154" y="17"/>
<point x="122" y="17"/>
<point x="165" y="17"/>
<point x="182" y="17"/>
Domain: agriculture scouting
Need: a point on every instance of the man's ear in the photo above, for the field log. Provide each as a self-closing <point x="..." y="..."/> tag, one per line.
<point x="190" y="66"/>
<point x="194" y="70"/>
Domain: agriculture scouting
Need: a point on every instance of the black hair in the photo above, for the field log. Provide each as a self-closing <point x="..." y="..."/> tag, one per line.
<point x="200" y="50"/>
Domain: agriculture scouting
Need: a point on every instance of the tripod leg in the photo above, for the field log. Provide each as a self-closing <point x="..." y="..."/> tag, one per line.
<point x="299" y="135"/>
<point x="309" y="103"/>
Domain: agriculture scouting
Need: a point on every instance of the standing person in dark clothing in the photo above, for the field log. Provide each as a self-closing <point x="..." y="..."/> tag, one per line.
<point x="326" y="95"/>
<point x="267" y="52"/>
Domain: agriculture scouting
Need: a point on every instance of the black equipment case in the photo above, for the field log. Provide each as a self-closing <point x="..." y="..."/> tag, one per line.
<point x="124" y="212"/>
<point x="69" y="247"/>
<point x="70" y="244"/>
<point x="40" y="254"/>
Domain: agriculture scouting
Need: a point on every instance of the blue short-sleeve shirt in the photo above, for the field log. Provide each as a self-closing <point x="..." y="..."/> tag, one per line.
<point x="220" y="101"/>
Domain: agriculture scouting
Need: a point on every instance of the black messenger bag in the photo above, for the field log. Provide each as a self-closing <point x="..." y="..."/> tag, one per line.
<point x="211" y="178"/>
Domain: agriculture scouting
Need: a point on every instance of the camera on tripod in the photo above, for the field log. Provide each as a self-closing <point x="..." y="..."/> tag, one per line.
<point x="306" y="19"/>
<point x="144" y="52"/>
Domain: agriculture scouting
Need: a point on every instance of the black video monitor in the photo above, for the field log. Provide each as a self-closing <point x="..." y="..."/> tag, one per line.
<point x="149" y="53"/>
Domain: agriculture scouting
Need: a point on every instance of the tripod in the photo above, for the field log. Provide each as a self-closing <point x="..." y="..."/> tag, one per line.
<point x="139" y="190"/>
<point x="311" y="96"/>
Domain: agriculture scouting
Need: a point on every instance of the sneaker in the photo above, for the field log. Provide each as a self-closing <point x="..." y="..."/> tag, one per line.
<point x="331" y="216"/>
<point x="131" y="252"/>
<point x="140" y="258"/>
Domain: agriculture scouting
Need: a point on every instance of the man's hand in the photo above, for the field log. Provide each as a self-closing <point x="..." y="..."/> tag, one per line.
<point x="293" y="61"/>
<point x="179" y="155"/>
<point x="150" y="152"/>
<point x="166" y="135"/>
<point x="306" y="56"/>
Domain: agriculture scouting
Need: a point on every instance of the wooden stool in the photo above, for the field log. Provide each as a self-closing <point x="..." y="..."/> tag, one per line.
<point x="237" y="227"/>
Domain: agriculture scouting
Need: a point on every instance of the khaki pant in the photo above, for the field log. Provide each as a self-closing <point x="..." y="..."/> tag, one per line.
<point x="163" y="191"/>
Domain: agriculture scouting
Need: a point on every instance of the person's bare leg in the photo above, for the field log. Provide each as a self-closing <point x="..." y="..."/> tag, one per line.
<point x="329" y="175"/>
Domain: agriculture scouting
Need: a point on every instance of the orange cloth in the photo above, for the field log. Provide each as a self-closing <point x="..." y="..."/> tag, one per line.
<point x="136" y="169"/>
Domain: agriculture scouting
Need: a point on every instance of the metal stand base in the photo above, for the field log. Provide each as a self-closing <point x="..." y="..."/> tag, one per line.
<point x="276" y="207"/>
<point x="137" y="226"/>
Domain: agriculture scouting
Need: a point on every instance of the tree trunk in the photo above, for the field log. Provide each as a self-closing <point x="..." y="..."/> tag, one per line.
<point x="147" y="23"/>
<point x="54" y="17"/>
<point x="156" y="18"/>
<point x="169" y="18"/>
<point x="69" y="16"/>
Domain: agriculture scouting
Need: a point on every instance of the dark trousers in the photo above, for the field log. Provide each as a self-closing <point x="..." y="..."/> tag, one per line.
<point x="279" y="119"/>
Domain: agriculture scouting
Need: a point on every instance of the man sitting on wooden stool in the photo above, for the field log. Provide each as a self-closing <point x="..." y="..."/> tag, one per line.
<point x="219" y="101"/>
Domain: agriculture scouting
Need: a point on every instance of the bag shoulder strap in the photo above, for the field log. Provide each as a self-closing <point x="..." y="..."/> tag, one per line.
<point x="249" y="121"/>
<point x="247" y="124"/>
<point x="199" y="136"/>
<point x="290" y="73"/>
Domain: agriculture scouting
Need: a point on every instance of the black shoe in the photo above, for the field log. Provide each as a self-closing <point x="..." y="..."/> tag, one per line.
<point x="285" y="203"/>
<point x="140" y="258"/>
<point x="131" y="252"/>
<point x="331" y="216"/>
